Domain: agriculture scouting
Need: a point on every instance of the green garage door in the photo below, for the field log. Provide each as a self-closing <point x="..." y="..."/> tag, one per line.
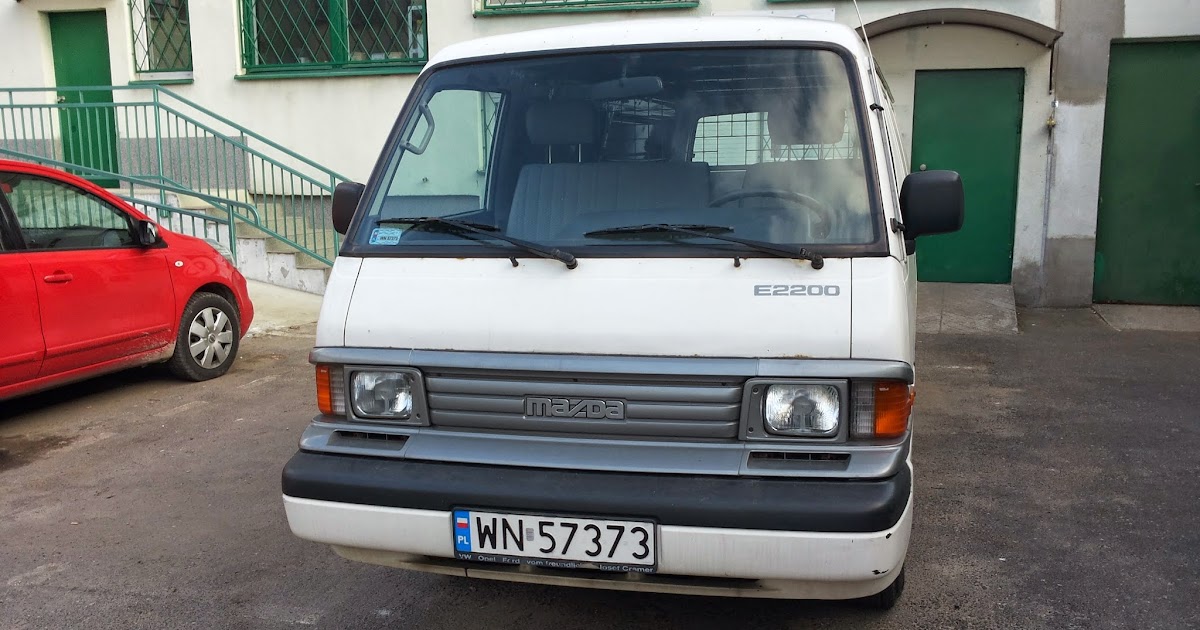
<point x="1148" y="231"/>
<point x="970" y="121"/>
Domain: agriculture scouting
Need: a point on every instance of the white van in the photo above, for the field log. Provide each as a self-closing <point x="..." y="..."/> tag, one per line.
<point x="628" y="306"/>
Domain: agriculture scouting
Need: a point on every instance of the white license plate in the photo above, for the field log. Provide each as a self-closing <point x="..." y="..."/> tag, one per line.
<point x="560" y="542"/>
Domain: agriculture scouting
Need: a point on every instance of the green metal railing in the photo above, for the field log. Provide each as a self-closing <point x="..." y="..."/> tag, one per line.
<point x="162" y="141"/>
<point x="503" y="7"/>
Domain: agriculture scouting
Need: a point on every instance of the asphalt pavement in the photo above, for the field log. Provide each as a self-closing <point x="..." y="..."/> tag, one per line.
<point x="1058" y="486"/>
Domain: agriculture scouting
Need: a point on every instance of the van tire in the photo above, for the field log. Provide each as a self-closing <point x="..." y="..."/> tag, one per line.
<point x="887" y="598"/>
<point x="205" y="311"/>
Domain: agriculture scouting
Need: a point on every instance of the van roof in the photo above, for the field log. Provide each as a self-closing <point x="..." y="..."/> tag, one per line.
<point x="657" y="31"/>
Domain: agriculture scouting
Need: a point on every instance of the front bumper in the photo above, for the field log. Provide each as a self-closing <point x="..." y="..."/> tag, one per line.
<point x="744" y="536"/>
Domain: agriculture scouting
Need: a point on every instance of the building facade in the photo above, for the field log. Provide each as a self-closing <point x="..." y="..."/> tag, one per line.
<point x="1074" y="122"/>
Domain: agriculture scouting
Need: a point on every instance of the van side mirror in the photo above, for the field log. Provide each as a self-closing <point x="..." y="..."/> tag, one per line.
<point x="931" y="202"/>
<point x="345" y="201"/>
<point x="147" y="234"/>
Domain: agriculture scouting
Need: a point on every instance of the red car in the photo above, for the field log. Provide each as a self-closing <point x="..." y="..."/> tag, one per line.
<point x="88" y="285"/>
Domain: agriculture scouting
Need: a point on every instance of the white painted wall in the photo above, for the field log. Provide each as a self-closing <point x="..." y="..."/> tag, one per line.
<point x="341" y="122"/>
<point x="25" y="40"/>
<point x="952" y="47"/>
<point x="1162" y="18"/>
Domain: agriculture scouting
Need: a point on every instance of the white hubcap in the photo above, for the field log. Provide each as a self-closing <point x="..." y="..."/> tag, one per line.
<point x="210" y="338"/>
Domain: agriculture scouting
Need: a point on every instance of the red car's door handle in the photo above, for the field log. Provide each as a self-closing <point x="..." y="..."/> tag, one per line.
<point x="58" y="277"/>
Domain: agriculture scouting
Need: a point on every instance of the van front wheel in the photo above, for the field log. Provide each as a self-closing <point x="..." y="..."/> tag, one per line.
<point x="887" y="598"/>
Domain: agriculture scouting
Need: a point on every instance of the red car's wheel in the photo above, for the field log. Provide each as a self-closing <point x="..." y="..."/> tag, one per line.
<point x="207" y="341"/>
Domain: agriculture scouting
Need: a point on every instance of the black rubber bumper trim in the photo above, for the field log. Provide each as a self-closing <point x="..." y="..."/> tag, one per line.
<point x="808" y="505"/>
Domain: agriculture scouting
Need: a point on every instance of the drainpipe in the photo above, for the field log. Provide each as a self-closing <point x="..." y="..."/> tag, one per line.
<point x="1051" y="159"/>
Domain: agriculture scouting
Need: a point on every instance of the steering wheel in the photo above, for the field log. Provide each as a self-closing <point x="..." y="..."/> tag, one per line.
<point x="825" y="215"/>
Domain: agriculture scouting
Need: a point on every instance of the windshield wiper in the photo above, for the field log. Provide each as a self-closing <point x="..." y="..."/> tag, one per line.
<point x="454" y="226"/>
<point x="714" y="232"/>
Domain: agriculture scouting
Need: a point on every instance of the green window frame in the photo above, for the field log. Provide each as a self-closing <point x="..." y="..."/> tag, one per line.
<point x="511" y="7"/>
<point x="162" y="36"/>
<point x="333" y="36"/>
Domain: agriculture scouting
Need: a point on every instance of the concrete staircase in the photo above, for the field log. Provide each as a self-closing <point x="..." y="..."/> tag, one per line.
<point x="267" y="259"/>
<point x="259" y="255"/>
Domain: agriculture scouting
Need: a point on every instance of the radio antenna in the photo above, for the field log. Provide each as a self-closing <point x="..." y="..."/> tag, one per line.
<point x="871" y="69"/>
<point x="862" y="28"/>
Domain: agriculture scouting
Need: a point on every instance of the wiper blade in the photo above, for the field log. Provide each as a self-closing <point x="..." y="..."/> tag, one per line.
<point x="454" y="226"/>
<point x="426" y="221"/>
<point x="713" y="232"/>
<point x="658" y="228"/>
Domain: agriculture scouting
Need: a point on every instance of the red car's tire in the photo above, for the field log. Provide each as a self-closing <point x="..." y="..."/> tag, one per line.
<point x="208" y="338"/>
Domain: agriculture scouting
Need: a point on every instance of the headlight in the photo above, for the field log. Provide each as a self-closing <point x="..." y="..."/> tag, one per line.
<point x="222" y="250"/>
<point x="383" y="395"/>
<point x="802" y="410"/>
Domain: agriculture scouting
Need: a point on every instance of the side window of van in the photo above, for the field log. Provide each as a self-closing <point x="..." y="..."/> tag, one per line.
<point x="447" y="153"/>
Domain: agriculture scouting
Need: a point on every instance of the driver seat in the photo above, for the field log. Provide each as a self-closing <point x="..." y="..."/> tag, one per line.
<point x="839" y="183"/>
<point x="789" y="126"/>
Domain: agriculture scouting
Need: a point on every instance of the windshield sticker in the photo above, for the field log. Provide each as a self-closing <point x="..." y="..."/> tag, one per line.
<point x="386" y="236"/>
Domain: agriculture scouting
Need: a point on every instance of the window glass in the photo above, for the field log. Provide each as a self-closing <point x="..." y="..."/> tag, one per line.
<point x="332" y="34"/>
<point x="53" y="215"/>
<point x="446" y="166"/>
<point x="5" y="189"/>
<point x="637" y="129"/>
<point x="162" y="38"/>
<point x="745" y="138"/>
<point x="574" y="151"/>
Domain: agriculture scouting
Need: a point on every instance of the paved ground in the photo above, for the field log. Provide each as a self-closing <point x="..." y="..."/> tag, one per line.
<point x="1057" y="488"/>
<point x="277" y="308"/>
<point x="966" y="309"/>
<point x="1137" y="317"/>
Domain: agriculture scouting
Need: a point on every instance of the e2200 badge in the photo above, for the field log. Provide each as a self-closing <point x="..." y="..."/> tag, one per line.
<point x="831" y="290"/>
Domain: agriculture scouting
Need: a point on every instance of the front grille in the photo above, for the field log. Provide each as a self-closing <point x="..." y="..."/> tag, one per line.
<point x="654" y="407"/>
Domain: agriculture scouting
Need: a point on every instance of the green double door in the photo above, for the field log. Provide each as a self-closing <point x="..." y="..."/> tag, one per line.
<point x="79" y="44"/>
<point x="1148" y="226"/>
<point x="970" y="121"/>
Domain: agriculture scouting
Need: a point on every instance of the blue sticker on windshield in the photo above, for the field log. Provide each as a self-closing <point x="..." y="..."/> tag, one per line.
<point x="386" y="236"/>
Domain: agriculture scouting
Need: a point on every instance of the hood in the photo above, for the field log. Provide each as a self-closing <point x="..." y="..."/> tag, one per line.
<point x="766" y="307"/>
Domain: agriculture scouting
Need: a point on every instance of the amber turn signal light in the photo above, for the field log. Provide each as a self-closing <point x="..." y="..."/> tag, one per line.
<point x="893" y="407"/>
<point x="324" y="395"/>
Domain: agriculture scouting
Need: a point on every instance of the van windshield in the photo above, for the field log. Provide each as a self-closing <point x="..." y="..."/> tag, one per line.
<point x="580" y="152"/>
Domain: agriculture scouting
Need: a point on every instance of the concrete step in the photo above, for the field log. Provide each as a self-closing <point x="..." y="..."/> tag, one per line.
<point x="276" y="246"/>
<point x="966" y="309"/>
<point x="320" y="267"/>
<point x="282" y="269"/>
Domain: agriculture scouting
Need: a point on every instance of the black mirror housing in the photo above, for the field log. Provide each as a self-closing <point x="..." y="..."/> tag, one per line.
<point x="345" y="201"/>
<point x="932" y="202"/>
<point x="147" y="234"/>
